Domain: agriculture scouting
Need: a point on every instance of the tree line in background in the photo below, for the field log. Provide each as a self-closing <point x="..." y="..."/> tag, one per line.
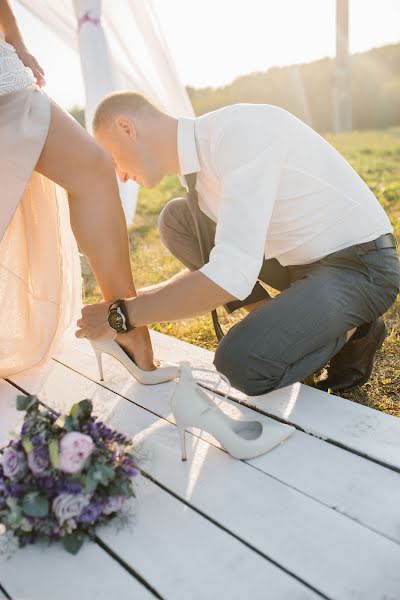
<point x="307" y="90"/>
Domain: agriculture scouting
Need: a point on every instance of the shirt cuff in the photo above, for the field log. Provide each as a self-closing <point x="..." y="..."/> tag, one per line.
<point x="232" y="270"/>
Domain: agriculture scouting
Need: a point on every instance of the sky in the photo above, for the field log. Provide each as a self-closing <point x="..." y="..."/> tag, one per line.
<point x="214" y="41"/>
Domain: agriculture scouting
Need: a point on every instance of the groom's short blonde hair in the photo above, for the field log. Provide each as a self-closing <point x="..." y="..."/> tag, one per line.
<point x="121" y="103"/>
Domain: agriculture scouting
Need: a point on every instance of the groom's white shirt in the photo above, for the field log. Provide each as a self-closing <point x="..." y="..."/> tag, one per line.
<point x="276" y="188"/>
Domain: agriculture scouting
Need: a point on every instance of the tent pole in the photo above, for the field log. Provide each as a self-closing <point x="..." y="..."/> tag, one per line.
<point x="342" y="94"/>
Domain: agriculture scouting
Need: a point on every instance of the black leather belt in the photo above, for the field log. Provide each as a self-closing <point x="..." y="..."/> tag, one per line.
<point x="387" y="240"/>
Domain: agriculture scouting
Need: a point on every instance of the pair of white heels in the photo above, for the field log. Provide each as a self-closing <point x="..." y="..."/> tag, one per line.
<point x="192" y="407"/>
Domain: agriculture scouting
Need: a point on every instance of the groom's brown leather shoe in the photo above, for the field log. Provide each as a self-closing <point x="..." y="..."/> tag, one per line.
<point x="352" y="365"/>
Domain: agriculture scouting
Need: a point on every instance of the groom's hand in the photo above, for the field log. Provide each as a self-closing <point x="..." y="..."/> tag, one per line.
<point x="94" y="324"/>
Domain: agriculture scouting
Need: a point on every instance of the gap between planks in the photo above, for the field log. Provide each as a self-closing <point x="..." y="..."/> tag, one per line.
<point x="117" y="394"/>
<point x="270" y="574"/>
<point x="251" y="463"/>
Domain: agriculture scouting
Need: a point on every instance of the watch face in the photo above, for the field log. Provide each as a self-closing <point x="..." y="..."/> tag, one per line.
<point x="116" y="320"/>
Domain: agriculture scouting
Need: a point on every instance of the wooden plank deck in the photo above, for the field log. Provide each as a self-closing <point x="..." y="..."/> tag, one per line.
<point x="316" y="517"/>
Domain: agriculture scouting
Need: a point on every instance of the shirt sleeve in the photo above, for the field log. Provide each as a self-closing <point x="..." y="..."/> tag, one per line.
<point x="246" y="204"/>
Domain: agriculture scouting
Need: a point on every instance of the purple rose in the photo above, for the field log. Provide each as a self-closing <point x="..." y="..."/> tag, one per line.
<point x="13" y="462"/>
<point x="75" y="448"/>
<point x="38" y="461"/>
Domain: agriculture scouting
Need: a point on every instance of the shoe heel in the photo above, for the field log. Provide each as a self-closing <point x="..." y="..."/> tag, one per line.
<point x="100" y="365"/>
<point x="182" y="432"/>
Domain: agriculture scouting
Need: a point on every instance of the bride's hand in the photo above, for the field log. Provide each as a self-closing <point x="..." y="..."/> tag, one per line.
<point x="30" y="61"/>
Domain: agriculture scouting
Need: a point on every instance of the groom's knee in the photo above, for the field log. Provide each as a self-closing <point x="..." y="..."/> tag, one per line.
<point x="247" y="370"/>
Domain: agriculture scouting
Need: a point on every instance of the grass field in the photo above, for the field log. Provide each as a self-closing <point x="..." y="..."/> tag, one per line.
<point x="376" y="157"/>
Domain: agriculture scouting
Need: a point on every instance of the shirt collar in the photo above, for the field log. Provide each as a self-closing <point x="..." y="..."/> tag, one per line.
<point x="187" y="151"/>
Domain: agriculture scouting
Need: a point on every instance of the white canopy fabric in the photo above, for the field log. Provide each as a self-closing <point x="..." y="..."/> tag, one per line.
<point x="99" y="79"/>
<point x="121" y="47"/>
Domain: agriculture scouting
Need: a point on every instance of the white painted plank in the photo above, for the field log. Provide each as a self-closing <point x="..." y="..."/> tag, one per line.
<point x="302" y="535"/>
<point x="186" y="556"/>
<point x="53" y="573"/>
<point x="370" y="432"/>
<point x="359" y="488"/>
<point x="11" y="419"/>
<point x="179" y="552"/>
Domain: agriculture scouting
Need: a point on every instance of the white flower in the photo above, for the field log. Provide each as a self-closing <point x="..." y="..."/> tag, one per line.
<point x="67" y="506"/>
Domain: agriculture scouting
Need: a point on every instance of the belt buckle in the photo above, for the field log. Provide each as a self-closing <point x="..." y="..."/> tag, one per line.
<point x="393" y="238"/>
<point x="384" y="241"/>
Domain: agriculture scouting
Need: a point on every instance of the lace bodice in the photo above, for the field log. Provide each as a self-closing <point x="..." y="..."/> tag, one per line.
<point x="14" y="75"/>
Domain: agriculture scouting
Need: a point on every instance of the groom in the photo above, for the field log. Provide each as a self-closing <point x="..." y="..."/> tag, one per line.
<point x="281" y="206"/>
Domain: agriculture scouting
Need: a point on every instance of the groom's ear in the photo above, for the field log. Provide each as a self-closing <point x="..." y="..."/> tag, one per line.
<point x="126" y="126"/>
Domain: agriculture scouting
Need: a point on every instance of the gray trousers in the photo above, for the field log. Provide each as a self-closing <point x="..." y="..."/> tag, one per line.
<point x="296" y="333"/>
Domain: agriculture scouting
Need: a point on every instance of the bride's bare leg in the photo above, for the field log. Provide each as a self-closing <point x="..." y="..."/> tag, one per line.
<point x="73" y="159"/>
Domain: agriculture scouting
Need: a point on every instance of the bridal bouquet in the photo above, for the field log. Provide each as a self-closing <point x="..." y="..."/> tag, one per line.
<point x="65" y="475"/>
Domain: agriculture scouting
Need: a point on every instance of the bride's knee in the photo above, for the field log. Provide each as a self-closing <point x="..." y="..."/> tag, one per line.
<point x="95" y="171"/>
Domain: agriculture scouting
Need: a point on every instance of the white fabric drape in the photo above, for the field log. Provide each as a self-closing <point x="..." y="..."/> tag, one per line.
<point x="99" y="79"/>
<point x="40" y="273"/>
<point x="126" y="51"/>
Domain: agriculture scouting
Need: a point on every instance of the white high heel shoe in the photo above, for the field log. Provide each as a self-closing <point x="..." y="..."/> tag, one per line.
<point x="147" y="377"/>
<point x="192" y="406"/>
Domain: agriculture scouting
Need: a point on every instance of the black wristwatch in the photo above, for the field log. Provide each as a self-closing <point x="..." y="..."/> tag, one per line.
<point x="118" y="316"/>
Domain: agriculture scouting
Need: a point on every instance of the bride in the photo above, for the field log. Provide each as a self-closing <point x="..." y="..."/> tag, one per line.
<point x="40" y="144"/>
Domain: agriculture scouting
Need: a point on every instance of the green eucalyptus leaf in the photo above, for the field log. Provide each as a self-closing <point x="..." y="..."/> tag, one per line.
<point x="13" y="520"/>
<point x="12" y="503"/>
<point x="121" y="488"/>
<point x="104" y="474"/>
<point x="25" y="525"/>
<point x="26" y="402"/>
<point x="82" y="410"/>
<point x="35" y="505"/>
<point x="70" y="423"/>
<point x="87" y="407"/>
<point x="14" y="516"/>
<point x="90" y="483"/>
<point x="73" y="542"/>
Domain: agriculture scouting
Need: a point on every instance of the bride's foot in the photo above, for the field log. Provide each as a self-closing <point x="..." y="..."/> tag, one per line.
<point x="147" y="376"/>
<point x="137" y="345"/>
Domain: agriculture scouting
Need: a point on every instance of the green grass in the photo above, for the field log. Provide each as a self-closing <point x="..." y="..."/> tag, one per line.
<point x="375" y="155"/>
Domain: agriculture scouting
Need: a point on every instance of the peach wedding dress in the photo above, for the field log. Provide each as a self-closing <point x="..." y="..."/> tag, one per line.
<point x="40" y="276"/>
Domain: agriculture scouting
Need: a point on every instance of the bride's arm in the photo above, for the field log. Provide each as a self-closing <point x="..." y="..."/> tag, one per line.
<point x="13" y="35"/>
<point x="9" y="25"/>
